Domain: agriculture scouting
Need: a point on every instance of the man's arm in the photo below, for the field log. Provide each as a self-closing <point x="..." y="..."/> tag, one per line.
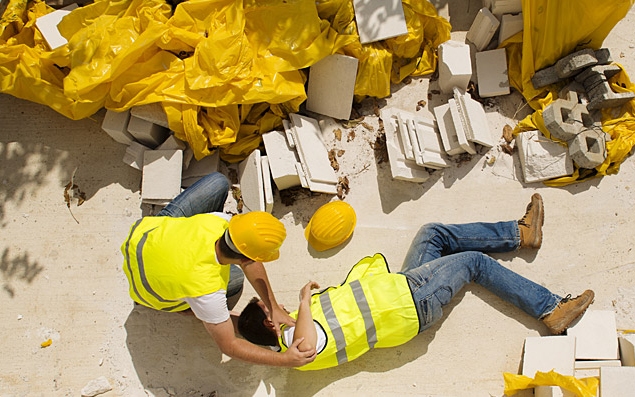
<point x="229" y="344"/>
<point x="305" y="331"/>
<point x="257" y="276"/>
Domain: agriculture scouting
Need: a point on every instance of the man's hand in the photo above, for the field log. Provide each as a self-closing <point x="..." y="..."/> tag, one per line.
<point x="296" y="358"/>
<point x="280" y="316"/>
<point x="305" y="292"/>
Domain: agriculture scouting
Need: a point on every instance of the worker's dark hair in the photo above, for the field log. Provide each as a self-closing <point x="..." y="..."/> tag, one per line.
<point x="251" y="325"/>
<point x="226" y="251"/>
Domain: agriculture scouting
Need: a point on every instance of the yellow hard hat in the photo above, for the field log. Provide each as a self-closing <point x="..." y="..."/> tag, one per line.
<point x="330" y="225"/>
<point x="258" y="235"/>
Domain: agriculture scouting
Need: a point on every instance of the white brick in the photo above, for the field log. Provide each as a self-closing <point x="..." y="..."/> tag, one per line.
<point x="266" y="182"/>
<point x="379" y="19"/>
<point x="491" y="73"/>
<point x="455" y="66"/>
<point x="461" y="128"/>
<point x="313" y="154"/>
<point x="596" y="336"/>
<point x="542" y="158"/>
<point x="161" y="175"/>
<point x="116" y="125"/>
<point x="588" y="368"/>
<point x="473" y="119"/>
<point x="447" y="130"/>
<point x="252" y="189"/>
<point x="332" y="86"/>
<point x="282" y="160"/>
<point x="546" y="353"/>
<point x="150" y="134"/>
<point x="152" y="112"/>
<point x="400" y="167"/>
<point x="421" y="140"/>
<point x="510" y="25"/>
<point x="483" y="29"/>
<point x="199" y="168"/>
<point x="617" y="381"/>
<point x="134" y="155"/>
<point x="627" y="349"/>
<point x="500" y="7"/>
<point x="47" y="25"/>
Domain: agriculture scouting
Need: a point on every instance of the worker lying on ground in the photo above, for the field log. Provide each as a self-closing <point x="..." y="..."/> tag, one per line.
<point x="190" y="256"/>
<point x="376" y="308"/>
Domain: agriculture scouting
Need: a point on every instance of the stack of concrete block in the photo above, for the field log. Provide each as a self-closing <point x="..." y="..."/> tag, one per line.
<point x="282" y="160"/>
<point x="491" y="73"/>
<point x="115" y="124"/>
<point x="161" y="181"/>
<point x="455" y="66"/>
<point x="146" y="132"/>
<point x="47" y="25"/>
<point x="379" y="19"/>
<point x="152" y="112"/>
<point x="570" y="65"/>
<point x="509" y="26"/>
<point x="569" y="121"/>
<point x="462" y="123"/>
<point x="542" y="159"/>
<point x="596" y="82"/>
<point x="332" y="86"/>
<point x="483" y="28"/>
<point x="549" y="353"/>
<point x="255" y="190"/>
<point x="500" y="7"/>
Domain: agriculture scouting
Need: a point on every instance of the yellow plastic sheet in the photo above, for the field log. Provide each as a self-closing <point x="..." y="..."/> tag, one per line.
<point x="552" y="30"/>
<point x="208" y="63"/>
<point x="586" y="387"/>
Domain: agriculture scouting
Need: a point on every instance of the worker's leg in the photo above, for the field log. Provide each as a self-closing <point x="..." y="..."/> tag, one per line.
<point x="434" y="283"/>
<point x="436" y="239"/>
<point x="208" y="194"/>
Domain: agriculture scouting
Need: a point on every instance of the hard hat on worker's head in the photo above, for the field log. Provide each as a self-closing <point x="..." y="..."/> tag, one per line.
<point x="258" y="235"/>
<point x="330" y="225"/>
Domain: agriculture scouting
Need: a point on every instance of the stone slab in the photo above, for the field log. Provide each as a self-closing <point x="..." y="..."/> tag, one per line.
<point x="379" y="19"/>
<point x="332" y="86"/>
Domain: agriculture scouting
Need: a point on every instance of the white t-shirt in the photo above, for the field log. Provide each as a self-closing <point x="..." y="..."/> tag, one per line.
<point x="211" y="308"/>
<point x="288" y="332"/>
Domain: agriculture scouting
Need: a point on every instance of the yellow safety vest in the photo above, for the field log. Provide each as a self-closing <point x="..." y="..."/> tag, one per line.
<point x="373" y="308"/>
<point x="167" y="259"/>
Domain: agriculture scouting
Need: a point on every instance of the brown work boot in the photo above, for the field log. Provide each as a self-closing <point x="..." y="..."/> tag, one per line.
<point x="531" y="224"/>
<point x="567" y="311"/>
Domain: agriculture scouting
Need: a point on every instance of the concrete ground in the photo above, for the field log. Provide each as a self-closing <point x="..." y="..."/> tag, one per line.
<point x="62" y="279"/>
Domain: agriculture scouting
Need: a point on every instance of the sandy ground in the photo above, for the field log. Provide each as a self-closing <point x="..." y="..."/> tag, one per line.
<point x="62" y="278"/>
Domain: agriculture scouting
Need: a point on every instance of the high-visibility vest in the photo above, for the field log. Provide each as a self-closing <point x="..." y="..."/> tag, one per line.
<point x="167" y="259"/>
<point x="373" y="308"/>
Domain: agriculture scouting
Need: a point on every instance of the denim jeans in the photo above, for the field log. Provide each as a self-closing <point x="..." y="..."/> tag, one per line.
<point x="208" y="194"/>
<point x="443" y="258"/>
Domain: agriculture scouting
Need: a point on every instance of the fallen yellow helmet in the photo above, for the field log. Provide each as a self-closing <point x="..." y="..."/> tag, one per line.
<point x="330" y="225"/>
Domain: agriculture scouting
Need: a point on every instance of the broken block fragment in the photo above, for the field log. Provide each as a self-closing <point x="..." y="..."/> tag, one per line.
<point x="332" y="86"/>
<point x="161" y="181"/>
<point x="491" y="73"/>
<point x="282" y="160"/>
<point x="500" y="7"/>
<point x="116" y="125"/>
<point x="454" y="141"/>
<point x="252" y="189"/>
<point x="379" y="19"/>
<point x="482" y="29"/>
<point x="455" y="66"/>
<point x="152" y="112"/>
<point x="542" y="159"/>
<point x="472" y="119"/>
<point x="47" y="25"/>
<point x="510" y="25"/>
<point x="266" y="182"/>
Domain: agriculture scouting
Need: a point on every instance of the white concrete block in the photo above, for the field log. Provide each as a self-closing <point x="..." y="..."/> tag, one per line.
<point x="491" y="73"/>
<point x="252" y="189"/>
<point x="134" y="155"/>
<point x="447" y="131"/>
<point x="332" y="86"/>
<point x="455" y="66"/>
<point x="266" y="182"/>
<point x="161" y="175"/>
<point x="172" y="143"/>
<point x="483" y="28"/>
<point x="552" y="391"/>
<point x="152" y="112"/>
<point x="541" y="158"/>
<point x="421" y="140"/>
<point x="617" y="381"/>
<point x="596" y="336"/>
<point x="150" y="134"/>
<point x="282" y="160"/>
<point x="47" y="25"/>
<point x="546" y="353"/>
<point x="199" y="168"/>
<point x="627" y="349"/>
<point x="510" y="25"/>
<point x="116" y="125"/>
<point x="588" y="368"/>
<point x="500" y="7"/>
<point x="460" y="127"/>
<point x="400" y="167"/>
<point x="473" y="119"/>
<point x="313" y="154"/>
<point x="379" y="19"/>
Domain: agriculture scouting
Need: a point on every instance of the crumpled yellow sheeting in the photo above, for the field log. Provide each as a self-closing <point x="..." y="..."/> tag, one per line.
<point x="586" y="387"/>
<point x="552" y="30"/>
<point x="204" y="63"/>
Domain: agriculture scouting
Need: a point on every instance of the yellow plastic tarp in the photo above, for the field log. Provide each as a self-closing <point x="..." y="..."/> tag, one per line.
<point x="586" y="387"/>
<point x="210" y="63"/>
<point x="552" y="30"/>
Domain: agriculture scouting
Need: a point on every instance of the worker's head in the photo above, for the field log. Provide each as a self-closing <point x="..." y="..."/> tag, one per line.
<point x="331" y="225"/>
<point x="255" y="326"/>
<point x="255" y="235"/>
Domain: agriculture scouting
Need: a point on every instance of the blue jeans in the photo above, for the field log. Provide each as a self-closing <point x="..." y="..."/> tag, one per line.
<point x="443" y="258"/>
<point x="208" y="194"/>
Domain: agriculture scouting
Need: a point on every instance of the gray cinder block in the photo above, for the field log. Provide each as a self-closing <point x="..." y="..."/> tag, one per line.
<point x="588" y="149"/>
<point x="544" y="77"/>
<point x="573" y="64"/>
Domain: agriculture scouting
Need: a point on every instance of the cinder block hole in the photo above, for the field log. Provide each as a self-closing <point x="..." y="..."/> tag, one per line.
<point x="565" y="115"/>
<point x="593" y="145"/>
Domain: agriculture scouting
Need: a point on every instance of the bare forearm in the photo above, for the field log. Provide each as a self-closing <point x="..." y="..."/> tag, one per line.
<point x="245" y="351"/>
<point x="304" y="327"/>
